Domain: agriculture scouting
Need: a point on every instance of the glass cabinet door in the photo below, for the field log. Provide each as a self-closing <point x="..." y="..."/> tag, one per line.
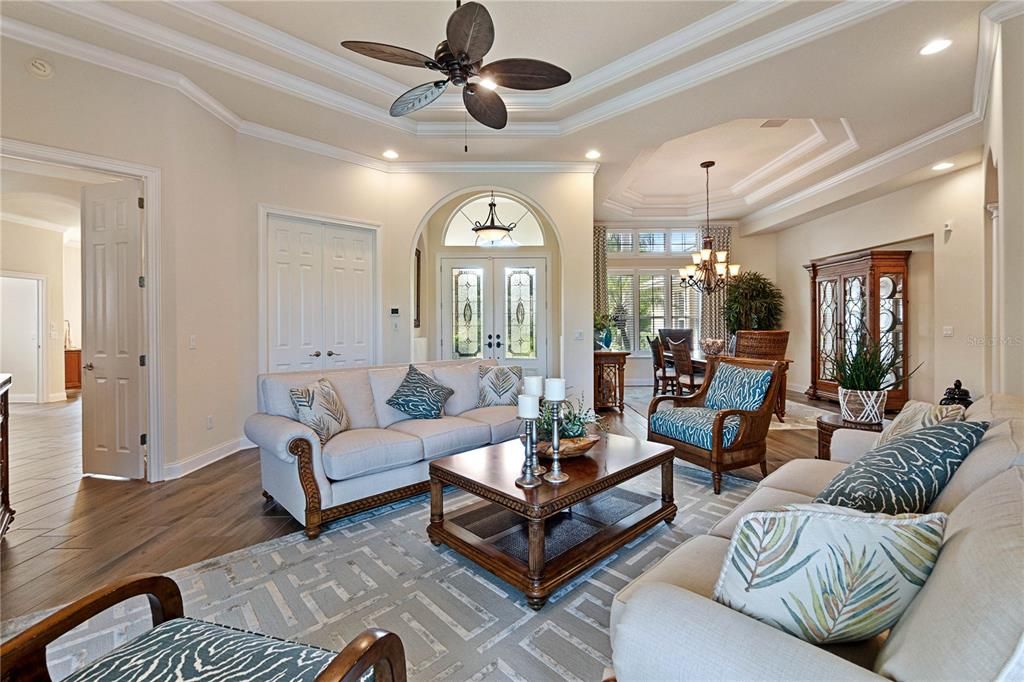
<point x="855" y="312"/>
<point x="828" y="326"/>
<point x="891" y="321"/>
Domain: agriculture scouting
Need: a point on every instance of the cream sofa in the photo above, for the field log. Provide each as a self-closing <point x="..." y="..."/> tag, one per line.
<point x="383" y="456"/>
<point x="967" y="623"/>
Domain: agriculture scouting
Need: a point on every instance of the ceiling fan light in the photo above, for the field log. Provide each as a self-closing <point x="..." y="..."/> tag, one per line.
<point x="488" y="83"/>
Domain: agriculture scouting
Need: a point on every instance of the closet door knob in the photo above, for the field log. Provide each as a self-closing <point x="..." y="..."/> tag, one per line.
<point x="88" y="366"/>
<point x="331" y="353"/>
<point x="315" y="355"/>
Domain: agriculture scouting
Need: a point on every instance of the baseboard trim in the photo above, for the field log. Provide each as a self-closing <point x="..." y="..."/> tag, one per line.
<point x="205" y="458"/>
<point x="24" y="398"/>
<point x="58" y="397"/>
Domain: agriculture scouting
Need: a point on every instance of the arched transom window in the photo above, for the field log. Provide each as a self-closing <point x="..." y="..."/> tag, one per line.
<point x="527" y="231"/>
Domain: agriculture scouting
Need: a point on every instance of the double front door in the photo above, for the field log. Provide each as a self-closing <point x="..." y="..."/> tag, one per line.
<point x="495" y="308"/>
<point x="320" y="301"/>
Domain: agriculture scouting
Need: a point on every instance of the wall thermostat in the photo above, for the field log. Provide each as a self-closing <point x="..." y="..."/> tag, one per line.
<point x="394" y="312"/>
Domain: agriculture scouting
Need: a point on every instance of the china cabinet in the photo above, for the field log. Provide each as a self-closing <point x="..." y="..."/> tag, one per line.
<point x="856" y="296"/>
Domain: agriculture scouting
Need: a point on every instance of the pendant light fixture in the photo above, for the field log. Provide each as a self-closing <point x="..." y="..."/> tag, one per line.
<point x="492" y="230"/>
<point x="711" y="269"/>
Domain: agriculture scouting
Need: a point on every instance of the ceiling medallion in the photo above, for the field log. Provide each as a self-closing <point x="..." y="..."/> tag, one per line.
<point x="492" y="230"/>
<point x="707" y="275"/>
<point x="459" y="58"/>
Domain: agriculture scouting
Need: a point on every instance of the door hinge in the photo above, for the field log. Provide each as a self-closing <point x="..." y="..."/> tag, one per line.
<point x="142" y="439"/>
<point x="142" y="281"/>
<point x="142" y="203"/>
<point x="142" y="361"/>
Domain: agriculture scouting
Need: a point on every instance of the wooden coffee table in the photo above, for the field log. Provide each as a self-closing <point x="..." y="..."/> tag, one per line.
<point x="525" y="537"/>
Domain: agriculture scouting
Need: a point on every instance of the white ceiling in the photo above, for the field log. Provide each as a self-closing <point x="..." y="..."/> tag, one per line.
<point x="657" y="87"/>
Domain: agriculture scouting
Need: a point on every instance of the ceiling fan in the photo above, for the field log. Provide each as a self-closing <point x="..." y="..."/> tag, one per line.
<point x="468" y="37"/>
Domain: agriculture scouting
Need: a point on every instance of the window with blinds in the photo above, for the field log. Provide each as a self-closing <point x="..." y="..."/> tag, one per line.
<point x="619" y="241"/>
<point x="643" y="301"/>
<point x="651" y="241"/>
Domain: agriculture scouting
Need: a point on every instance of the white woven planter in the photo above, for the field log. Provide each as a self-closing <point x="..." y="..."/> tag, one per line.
<point x="863" y="407"/>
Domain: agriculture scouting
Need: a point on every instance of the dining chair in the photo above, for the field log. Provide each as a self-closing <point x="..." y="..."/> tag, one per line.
<point x="664" y="378"/>
<point x="682" y="362"/>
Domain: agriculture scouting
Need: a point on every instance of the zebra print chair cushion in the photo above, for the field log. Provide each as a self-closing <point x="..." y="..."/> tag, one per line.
<point x="737" y="388"/>
<point x="693" y="425"/>
<point x="419" y="396"/>
<point x="186" y="650"/>
<point x="906" y="474"/>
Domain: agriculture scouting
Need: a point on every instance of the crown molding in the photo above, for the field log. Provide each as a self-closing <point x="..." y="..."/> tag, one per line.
<point x="679" y="222"/>
<point x="588" y="167"/>
<point x="306" y="144"/>
<point x="799" y="33"/>
<point x="38" y="223"/>
<point x="762" y="174"/>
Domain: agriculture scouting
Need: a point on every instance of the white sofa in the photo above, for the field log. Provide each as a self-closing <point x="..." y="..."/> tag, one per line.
<point x="967" y="623"/>
<point x="383" y="456"/>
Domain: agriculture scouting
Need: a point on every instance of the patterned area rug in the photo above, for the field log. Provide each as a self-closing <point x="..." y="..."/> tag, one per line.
<point x="457" y="621"/>
<point x="798" y="415"/>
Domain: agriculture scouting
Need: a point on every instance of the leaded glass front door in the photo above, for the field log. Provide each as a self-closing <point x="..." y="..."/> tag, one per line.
<point x="495" y="308"/>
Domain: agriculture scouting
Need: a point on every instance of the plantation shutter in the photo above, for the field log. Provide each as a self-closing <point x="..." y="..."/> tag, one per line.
<point x="622" y="308"/>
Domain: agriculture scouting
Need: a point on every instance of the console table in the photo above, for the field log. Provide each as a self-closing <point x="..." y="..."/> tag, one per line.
<point x="610" y="379"/>
<point x="6" y="513"/>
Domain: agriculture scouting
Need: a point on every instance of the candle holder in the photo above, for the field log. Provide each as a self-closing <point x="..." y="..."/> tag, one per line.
<point x="555" y="475"/>
<point x="530" y="476"/>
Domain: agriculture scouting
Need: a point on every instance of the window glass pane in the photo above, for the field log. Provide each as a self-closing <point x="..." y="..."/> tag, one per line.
<point x="619" y="241"/>
<point x="521" y="313"/>
<point x="685" y="308"/>
<point x="684" y="241"/>
<point x="621" y="308"/>
<point x="467" y="327"/>
<point x="652" y="306"/>
<point x="652" y="242"/>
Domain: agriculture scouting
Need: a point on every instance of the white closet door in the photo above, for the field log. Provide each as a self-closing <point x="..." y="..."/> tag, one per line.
<point x="295" y="299"/>
<point x="112" y="344"/>
<point x="348" y="296"/>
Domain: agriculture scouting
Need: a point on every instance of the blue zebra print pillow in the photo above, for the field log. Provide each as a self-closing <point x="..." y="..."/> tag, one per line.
<point x="419" y="396"/>
<point x="737" y="388"/>
<point x="906" y="474"/>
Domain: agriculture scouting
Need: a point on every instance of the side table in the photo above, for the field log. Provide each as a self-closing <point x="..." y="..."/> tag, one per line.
<point x="830" y="423"/>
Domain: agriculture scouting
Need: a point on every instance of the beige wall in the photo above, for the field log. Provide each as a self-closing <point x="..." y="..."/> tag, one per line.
<point x="956" y="297"/>
<point x="40" y="252"/>
<point x="72" y="295"/>
<point x="1004" y="143"/>
<point x="213" y="181"/>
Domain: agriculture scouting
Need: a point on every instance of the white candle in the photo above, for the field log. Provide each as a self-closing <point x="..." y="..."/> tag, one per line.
<point x="533" y="385"/>
<point x="529" y="407"/>
<point x="554" y="389"/>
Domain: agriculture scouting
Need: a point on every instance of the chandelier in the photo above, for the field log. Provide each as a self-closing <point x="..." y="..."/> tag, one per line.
<point x="707" y="275"/>
<point x="492" y="230"/>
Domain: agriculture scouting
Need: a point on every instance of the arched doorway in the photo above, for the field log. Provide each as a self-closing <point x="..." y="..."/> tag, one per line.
<point x="494" y="299"/>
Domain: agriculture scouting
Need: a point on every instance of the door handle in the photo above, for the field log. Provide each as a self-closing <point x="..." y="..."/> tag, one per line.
<point x="491" y="345"/>
<point x="331" y="353"/>
<point x="315" y="355"/>
<point x="88" y="366"/>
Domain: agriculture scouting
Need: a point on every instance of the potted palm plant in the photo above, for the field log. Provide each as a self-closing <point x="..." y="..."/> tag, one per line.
<point x="864" y="377"/>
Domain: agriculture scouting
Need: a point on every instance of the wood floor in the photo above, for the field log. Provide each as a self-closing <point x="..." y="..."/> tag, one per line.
<point x="73" y="534"/>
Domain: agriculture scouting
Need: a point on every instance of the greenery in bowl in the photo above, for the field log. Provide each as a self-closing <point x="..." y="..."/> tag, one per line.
<point x="602" y="322"/>
<point x="753" y="301"/>
<point x="575" y="420"/>
<point x="866" y="368"/>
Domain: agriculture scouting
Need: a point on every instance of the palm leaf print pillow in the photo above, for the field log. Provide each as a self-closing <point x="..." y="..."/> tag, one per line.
<point x="827" y="574"/>
<point x="320" y="409"/>
<point x="499" y="385"/>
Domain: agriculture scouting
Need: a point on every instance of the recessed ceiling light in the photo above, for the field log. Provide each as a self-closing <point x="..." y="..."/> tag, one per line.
<point x="488" y="83"/>
<point x="390" y="154"/>
<point x="945" y="165"/>
<point x="593" y="155"/>
<point x="936" y="46"/>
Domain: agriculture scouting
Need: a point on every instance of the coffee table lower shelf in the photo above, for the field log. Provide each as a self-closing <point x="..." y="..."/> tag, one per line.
<point x="539" y="575"/>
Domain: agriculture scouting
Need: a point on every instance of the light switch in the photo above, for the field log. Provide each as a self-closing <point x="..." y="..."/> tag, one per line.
<point x="579" y="335"/>
<point x="192" y="342"/>
<point x="947" y="331"/>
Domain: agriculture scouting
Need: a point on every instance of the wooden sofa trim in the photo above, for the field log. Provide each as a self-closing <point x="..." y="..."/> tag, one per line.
<point x="316" y="515"/>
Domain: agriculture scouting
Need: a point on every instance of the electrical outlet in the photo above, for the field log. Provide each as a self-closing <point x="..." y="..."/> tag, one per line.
<point x="192" y="342"/>
<point x="947" y="331"/>
<point x="209" y="422"/>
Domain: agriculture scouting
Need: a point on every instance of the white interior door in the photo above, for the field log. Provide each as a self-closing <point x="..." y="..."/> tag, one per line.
<point x="348" y="296"/>
<point x="112" y="348"/>
<point x="21" y="347"/>
<point x="295" y="294"/>
<point x="495" y="308"/>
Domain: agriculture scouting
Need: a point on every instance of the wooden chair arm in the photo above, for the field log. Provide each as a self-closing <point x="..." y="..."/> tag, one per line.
<point x="695" y="400"/>
<point x="718" y="429"/>
<point x="24" y="655"/>
<point x="373" y="648"/>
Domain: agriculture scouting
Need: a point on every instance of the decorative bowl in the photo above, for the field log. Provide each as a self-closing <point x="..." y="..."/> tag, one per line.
<point x="712" y="346"/>
<point x="568" y="447"/>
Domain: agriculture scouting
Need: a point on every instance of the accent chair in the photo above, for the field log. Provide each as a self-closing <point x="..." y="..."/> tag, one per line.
<point x="723" y="426"/>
